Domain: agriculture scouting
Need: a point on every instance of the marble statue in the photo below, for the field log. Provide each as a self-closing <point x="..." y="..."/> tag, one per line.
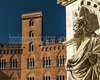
<point x="85" y="64"/>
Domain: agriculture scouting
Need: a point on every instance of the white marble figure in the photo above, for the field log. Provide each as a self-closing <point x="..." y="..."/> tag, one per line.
<point x="85" y="64"/>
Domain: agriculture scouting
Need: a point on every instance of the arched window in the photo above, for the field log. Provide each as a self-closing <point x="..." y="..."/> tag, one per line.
<point x="31" y="47"/>
<point x="30" y="78"/>
<point x="60" y="77"/>
<point x="60" y="60"/>
<point x="31" y="34"/>
<point x="14" y="77"/>
<point x="46" y="62"/>
<point x="30" y="63"/>
<point x="46" y="78"/>
<point x="2" y="64"/>
<point x="13" y="63"/>
<point x="31" y="23"/>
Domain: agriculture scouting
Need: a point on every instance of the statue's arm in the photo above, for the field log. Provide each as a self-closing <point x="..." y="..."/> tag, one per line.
<point x="94" y="54"/>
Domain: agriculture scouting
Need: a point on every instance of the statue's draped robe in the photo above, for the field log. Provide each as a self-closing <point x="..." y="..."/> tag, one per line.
<point x="86" y="62"/>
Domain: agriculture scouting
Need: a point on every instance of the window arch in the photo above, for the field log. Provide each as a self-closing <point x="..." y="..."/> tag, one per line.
<point x="46" y="78"/>
<point x="14" y="77"/>
<point x="2" y="64"/>
<point x="13" y="63"/>
<point x="60" y="60"/>
<point x="31" y="23"/>
<point x="46" y="62"/>
<point x="60" y="77"/>
<point x="30" y="78"/>
<point x="31" y="34"/>
<point x="30" y="63"/>
<point x="47" y="75"/>
<point x="31" y="47"/>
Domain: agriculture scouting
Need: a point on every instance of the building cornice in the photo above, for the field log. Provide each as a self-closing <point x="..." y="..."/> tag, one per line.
<point x="31" y="15"/>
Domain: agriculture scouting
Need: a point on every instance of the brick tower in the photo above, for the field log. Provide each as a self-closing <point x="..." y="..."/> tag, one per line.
<point x="31" y="38"/>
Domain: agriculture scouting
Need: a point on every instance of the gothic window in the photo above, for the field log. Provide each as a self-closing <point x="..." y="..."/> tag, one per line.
<point x="30" y="63"/>
<point x="31" y="34"/>
<point x="14" y="76"/>
<point x="31" y="47"/>
<point x="31" y="23"/>
<point x="61" y="77"/>
<point x="2" y="64"/>
<point x="30" y="78"/>
<point x="46" y="62"/>
<point x="13" y="63"/>
<point x="13" y="79"/>
<point x="60" y="60"/>
<point x="46" y="78"/>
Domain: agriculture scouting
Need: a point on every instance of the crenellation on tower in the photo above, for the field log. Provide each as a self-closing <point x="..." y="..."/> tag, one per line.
<point x="60" y="40"/>
<point x="56" y="47"/>
<point x="8" y="46"/>
<point x="47" y="42"/>
<point x="52" y="46"/>
<point x="53" y="42"/>
<point x="1" y="45"/>
<point x="4" y="45"/>
<point x="11" y="51"/>
<point x="16" y="46"/>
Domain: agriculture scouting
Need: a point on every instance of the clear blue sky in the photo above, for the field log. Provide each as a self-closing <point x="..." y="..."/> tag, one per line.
<point x="11" y="11"/>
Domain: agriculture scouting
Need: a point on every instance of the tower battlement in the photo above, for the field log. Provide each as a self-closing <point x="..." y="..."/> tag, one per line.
<point x="10" y="49"/>
<point x="54" y="45"/>
<point x="9" y="46"/>
<point x="53" y="42"/>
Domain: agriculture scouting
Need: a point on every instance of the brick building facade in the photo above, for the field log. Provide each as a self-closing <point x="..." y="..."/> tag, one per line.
<point x="33" y="59"/>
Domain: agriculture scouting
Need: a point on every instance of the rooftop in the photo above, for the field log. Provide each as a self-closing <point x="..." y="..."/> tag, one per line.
<point x="32" y="15"/>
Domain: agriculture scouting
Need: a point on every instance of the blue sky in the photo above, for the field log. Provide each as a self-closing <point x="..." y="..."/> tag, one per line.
<point x="11" y="11"/>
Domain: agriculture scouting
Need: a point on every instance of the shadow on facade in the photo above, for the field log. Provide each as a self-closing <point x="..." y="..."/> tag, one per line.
<point x="3" y="76"/>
